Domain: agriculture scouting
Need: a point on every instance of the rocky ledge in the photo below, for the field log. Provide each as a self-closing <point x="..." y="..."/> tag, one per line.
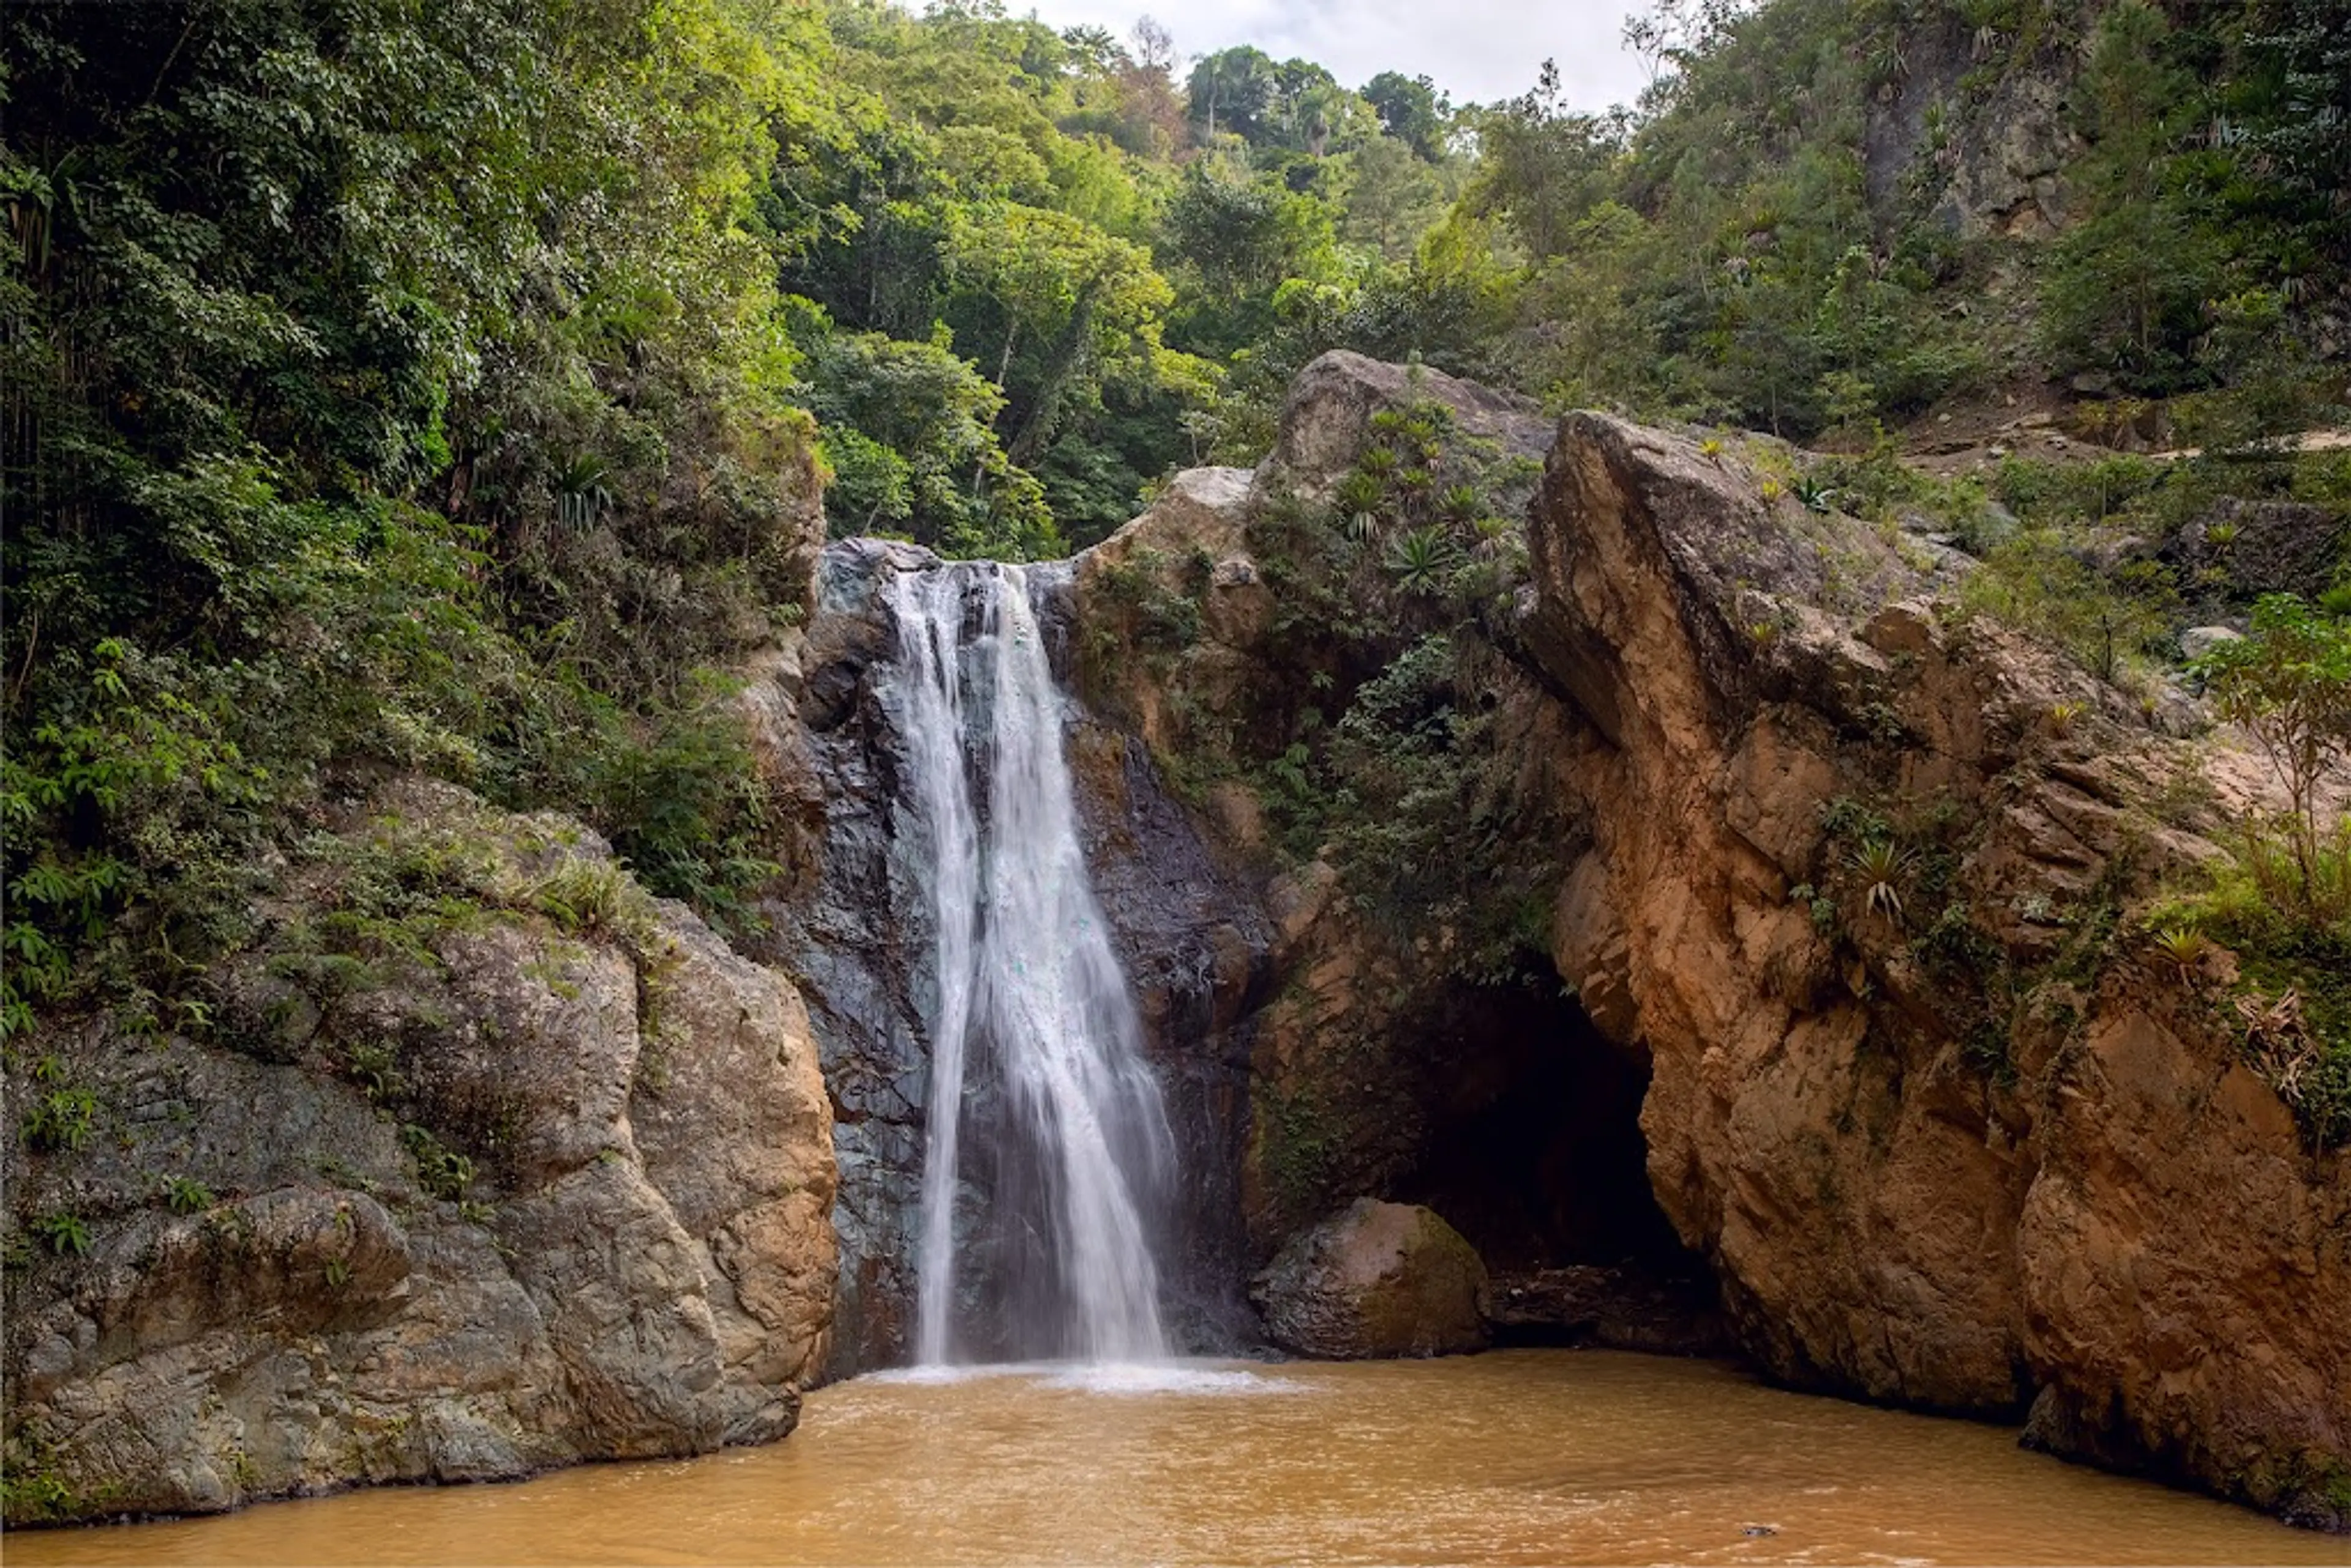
<point x="489" y="1162"/>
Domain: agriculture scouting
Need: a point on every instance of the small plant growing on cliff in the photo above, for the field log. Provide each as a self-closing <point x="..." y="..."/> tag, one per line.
<point x="61" y="1119"/>
<point x="1710" y="449"/>
<point x="2185" y="948"/>
<point x="186" y="1195"/>
<point x="1878" y="864"/>
<point x="2062" y="718"/>
<point x="1420" y="559"/>
<point x="1357" y="495"/>
<point x="1814" y="496"/>
<point x="63" y="1233"/>
<point x="580" y="896"/>
<point x="440" y="1170"/>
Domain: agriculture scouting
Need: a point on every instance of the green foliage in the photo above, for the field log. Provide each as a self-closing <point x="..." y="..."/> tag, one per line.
<point x="2290" y="684"/>
<point x="1423" y="821"/>
<point x="63" y="1233"/>
<point x="2288" y="922"/>
<point x="440" y="1170"/>
<point x="186" y="1195"/>
<point x="2040" y="579"/>
<point x="60" y="1119"/>
<point x="2123" y="287"/>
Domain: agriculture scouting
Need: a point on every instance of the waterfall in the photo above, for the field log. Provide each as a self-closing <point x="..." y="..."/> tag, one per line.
<point x="1033" y="1014"/>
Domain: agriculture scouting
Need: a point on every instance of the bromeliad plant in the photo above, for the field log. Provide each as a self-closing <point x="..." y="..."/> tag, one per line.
<point x="1878" y="864"/>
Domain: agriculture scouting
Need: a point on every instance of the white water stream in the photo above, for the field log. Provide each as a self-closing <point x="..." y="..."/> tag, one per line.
<point x="1028" y="988"/>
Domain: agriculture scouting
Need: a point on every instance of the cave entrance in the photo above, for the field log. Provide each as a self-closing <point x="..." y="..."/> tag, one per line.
<point x="1534" y="1151"/>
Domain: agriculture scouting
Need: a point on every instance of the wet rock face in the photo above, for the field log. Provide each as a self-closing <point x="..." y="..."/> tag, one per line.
<point x="858" y="930"/>
<point x="1375" y="1280"/>
<point x="558" y="1191"/>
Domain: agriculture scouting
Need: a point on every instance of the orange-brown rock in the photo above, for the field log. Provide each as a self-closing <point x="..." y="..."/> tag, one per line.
<point x="1957" y="1141"/>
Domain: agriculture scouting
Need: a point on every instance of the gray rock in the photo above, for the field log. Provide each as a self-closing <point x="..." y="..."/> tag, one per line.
<point x="2199" y="640"/>
<point x="1375" y="1280"/>
<point x="641" y="1266"/>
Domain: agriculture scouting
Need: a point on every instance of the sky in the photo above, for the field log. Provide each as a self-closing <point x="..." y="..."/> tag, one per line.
<point x="1477" y="50"/>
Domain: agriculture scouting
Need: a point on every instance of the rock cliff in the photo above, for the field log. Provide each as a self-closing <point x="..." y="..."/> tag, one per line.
<point x="853" y="921"/>
<point x="1841" y="891"/>
<point x="488" y="1162"/>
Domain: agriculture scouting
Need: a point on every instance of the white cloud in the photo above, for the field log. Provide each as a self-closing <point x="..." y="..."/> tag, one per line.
<point x="1479" y="50"/>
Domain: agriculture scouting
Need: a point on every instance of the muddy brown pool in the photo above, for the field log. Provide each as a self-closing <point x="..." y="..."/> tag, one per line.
<point x="1516" y="1457"/>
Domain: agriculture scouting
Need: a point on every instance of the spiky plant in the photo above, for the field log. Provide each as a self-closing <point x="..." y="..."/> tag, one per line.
<point x="582" y="494"/>
<point x="1878" y="865"/>
<point x="2062" y="718"/>
<point x="1419" y="560"/>
<point x="1460" y="504"/>
<point x="1379" y="462"/>
<point x="1814" y="496"/>
<point x="1358" y="492"/>
<point x="1493" y="533"/>
<point x="2184" y="947"/>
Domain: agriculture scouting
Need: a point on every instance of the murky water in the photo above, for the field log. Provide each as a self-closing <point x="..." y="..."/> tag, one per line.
<point x="1517" y="1457"/>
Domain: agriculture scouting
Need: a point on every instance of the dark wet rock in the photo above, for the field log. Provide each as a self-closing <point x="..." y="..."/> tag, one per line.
<point x="857" y="930"/>
<point x="1616" y="1306"/>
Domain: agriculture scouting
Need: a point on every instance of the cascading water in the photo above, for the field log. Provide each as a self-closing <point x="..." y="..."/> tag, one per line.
<point x="1029" y="991"/>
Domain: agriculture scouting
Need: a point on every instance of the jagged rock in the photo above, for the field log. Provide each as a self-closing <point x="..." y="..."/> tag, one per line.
<point x="1326" y="419"/>
<point x="1375" y="1280"/>
<point x="2254" y="548"/>
<point x="555" y="1190"/>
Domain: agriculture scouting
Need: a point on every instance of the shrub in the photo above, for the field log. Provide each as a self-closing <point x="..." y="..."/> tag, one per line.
<point x="2289" y="684"/>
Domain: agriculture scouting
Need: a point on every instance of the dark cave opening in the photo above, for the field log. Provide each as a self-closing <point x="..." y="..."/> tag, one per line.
<point x="1532" y="1149"/>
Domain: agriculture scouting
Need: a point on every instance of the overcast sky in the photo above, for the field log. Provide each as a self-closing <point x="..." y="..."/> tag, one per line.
<point x="1477" y="50"/>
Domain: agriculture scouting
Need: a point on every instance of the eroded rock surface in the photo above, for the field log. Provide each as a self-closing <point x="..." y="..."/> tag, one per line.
<point x="1960" y="1142"/>
<point x="856" y="924"/>
<point x="1375" y="1280"/>
<point x="541" y="1175"/>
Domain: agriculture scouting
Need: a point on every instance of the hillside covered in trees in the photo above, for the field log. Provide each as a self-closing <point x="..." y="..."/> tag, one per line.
<point x="401" y="387"/>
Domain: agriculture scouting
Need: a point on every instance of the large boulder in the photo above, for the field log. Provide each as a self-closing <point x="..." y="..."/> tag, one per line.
<point x="1375" y="1280"/>
<point x="534" y="1170"/>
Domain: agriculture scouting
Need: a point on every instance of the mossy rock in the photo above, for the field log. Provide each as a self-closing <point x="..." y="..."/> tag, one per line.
<point x="1375" y="1280"/>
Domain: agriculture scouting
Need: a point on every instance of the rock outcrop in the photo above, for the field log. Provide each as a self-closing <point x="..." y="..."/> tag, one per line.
<point x="1828" y="875"/>
<point x="1375" y="1280"/>
<point x="1963" y="1148"/>
<point x="490" y="1162"/>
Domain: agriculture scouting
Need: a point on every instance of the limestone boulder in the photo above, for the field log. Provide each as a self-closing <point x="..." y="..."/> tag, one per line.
<point x="1375" y="1280"/>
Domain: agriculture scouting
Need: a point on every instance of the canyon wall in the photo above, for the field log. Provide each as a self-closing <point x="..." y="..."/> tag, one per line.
<point x="1950" y="1133"/>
